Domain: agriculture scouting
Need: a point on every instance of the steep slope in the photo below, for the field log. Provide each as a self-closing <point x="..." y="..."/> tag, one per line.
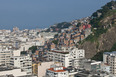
<point x="105" y="42"/>
<point x="104" y="31"/>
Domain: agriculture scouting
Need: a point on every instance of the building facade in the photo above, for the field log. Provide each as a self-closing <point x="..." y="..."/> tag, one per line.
<point x="67" y="58"/>
<point x="109" y="58"/>
<point x="5" y="56"/>
<point x="22" y="62"/>
<point x="92" y="65"/>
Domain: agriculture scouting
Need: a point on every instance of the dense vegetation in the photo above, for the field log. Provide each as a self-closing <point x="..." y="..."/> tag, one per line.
<point x="56" y="35"/>
<point x="59" y="26"/>
<point x="102" y="13"/>
<point x="95" y="36"/>
<point x="99" y="55"/>
<point x="24" y="52"/>
<point x="103" y="21"/>
<point x="98" y="26"/>
<point x="33" y="49"/>
<point x="55" y="42"/>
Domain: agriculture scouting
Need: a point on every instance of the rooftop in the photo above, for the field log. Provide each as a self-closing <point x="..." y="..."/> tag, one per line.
<point x="57" y="69"/>
<point x="5" y="68"/>
<point x="113" y="53"/>
<point x="60" y="51"/>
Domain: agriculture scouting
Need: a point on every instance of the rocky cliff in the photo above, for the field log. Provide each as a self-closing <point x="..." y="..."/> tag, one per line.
<point x="105" y="42"/>
<point x="104" y="31"/>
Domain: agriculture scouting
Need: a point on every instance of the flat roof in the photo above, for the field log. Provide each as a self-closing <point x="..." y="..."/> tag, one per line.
<point x="113" y="53"/>
<point x="58" y="51"/>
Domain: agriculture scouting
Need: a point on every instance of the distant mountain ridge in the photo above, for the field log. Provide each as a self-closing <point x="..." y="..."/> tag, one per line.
<point x="58" y="27"/>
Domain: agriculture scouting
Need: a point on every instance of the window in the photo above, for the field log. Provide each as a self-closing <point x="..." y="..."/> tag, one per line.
<point x="15" y="58"/>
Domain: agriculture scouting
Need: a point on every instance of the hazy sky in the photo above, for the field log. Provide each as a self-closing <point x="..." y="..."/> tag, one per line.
<point x="32" y="14"/>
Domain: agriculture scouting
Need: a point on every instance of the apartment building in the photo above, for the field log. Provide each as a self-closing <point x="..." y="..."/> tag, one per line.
<point x="5" y="56"/>
<point x="77" y="53"/>
<point x="39" y="69"/>
<point x="67" y="58"/>
<point x="60" y="71"/>
<point x="22" y="62"/>
<point x="109" y="58"/>
<point x="92" y="65"/>
<point x="58" y="56"/>
<point x="56" y="72"/>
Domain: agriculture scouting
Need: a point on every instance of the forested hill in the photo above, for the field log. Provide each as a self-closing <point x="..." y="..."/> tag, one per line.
<point x="58" y="27"/>
<point x="103" y="37"/>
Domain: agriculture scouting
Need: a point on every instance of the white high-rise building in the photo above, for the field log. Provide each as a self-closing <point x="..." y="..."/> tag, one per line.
<point x="77" y="53"/>
<point x="109" y="58"/>
<point x="5" y="56"/>
<point x="67" y="58"/>
<point x="23" y="62"/>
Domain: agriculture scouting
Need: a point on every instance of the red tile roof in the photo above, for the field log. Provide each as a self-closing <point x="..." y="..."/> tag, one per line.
<point x="52" y="69"/>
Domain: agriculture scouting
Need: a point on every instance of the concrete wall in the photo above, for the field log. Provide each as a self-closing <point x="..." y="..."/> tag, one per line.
<point x="43" y="67"/>
<point x="15" y="72"/>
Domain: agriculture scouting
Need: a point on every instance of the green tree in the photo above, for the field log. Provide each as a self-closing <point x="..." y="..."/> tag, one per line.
<point x="24" y="52"/>
<point x="55" y="42"/>
<point x="33" y="49"/>
<point x="99" y="55"/>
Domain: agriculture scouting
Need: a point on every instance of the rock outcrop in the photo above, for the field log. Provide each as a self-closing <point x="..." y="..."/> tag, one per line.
<point x="105" y="42"/>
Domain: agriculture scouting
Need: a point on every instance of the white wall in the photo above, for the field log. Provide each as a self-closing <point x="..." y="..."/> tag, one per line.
<point x="77" y="53"/>
<point x="16" y="52"/>
<point x="43" y="67"/>
<point x="15" y="72"/>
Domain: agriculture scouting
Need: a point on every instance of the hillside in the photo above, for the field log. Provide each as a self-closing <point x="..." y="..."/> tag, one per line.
<point x="103" y="37"/>
<point x="58" y="27"/>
